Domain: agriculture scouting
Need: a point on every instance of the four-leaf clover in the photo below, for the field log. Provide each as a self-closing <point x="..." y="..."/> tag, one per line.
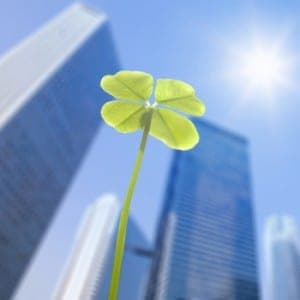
<point x="163" y="118"/>
<point x="132" y="107"/>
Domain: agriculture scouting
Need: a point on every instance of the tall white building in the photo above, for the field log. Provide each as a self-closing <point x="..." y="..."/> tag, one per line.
<point x="86" y="266"/>
<point x="87" y="272"/>
<point x="282" y="250"/>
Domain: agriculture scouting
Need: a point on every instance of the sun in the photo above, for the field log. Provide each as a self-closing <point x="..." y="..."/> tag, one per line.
<point x="261" y="69"/>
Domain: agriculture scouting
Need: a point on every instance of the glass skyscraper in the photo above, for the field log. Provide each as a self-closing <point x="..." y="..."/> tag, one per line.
<point x="87" y="263"/>
<point x="49" y="114"/>
<point x="205" y="247"/>
<point x="282" y="258"/>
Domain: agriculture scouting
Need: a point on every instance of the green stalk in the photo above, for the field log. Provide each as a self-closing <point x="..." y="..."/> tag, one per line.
<point x="121" y="237"/>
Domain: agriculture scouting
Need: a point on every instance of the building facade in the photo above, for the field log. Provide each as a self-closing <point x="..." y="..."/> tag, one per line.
<point x="282" y="258"/>
<point x="49" y="114"/>
<point x="205" y="247"/>
<point x="87" y="273"/>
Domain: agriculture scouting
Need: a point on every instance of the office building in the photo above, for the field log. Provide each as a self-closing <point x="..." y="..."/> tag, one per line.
<point x="87" y="273"/>
<point x="206" y="246"/>
<point x="282" y="256"/>
<point x="49" y="114"/>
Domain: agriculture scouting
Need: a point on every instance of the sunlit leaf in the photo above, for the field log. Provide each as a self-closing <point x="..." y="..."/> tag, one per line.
<point x="179" y="95"/>
<point x="123" y="116"/>
<point x="174" y="130"/>
<point x="128" y="85"/>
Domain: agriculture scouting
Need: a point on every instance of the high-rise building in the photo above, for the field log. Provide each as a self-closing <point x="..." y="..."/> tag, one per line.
<point x="205" y="247"/>
<point x="91" y="250"/>
<point x="282" y="258"/>
<point x="87" y="273"/>
<point x="49" y="114"/>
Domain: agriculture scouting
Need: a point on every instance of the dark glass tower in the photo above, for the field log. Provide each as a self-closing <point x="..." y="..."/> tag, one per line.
<point x="205" y="247"/>
<point x="49" y="114"/>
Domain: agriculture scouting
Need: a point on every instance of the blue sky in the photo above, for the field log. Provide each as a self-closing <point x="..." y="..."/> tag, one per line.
<point x="193" y="41"/>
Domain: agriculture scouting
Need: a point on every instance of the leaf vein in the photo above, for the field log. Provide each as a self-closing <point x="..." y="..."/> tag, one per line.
<point x="167" y="126"/>
<point x="130" y="116"/>
<point x="130" y="88"/>
<point x="175" y="99"/>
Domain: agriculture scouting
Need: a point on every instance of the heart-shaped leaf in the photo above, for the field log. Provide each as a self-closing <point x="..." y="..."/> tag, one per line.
<point x="128" y="85"/>
<point x="124" y="116"/>
<point x="179" y="95"/>
<point x="175" y="131"/>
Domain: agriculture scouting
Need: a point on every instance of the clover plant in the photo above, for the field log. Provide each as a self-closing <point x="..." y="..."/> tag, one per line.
<point x="163" y="117"/>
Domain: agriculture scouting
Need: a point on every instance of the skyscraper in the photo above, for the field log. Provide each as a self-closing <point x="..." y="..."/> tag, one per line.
<point x="91" y="250"/>
<point x="282" y="258"/>
<point x="205" y="246"/>
<point x="87" y="273"/>
<point x="49" y="114"/>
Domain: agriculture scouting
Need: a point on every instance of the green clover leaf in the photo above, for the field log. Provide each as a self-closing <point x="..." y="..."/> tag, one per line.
<point x="125" y="117"/>
<point x="179" y="95"/>
<point x="130" y="110"/>
<point x="175" y="131"/>
<point x="128" y="85"/>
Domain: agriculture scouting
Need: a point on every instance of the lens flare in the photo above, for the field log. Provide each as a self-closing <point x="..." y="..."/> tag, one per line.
<point x="261" y="70"/>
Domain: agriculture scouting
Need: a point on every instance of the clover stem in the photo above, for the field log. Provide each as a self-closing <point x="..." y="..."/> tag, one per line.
<point x="121" y="235"/>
